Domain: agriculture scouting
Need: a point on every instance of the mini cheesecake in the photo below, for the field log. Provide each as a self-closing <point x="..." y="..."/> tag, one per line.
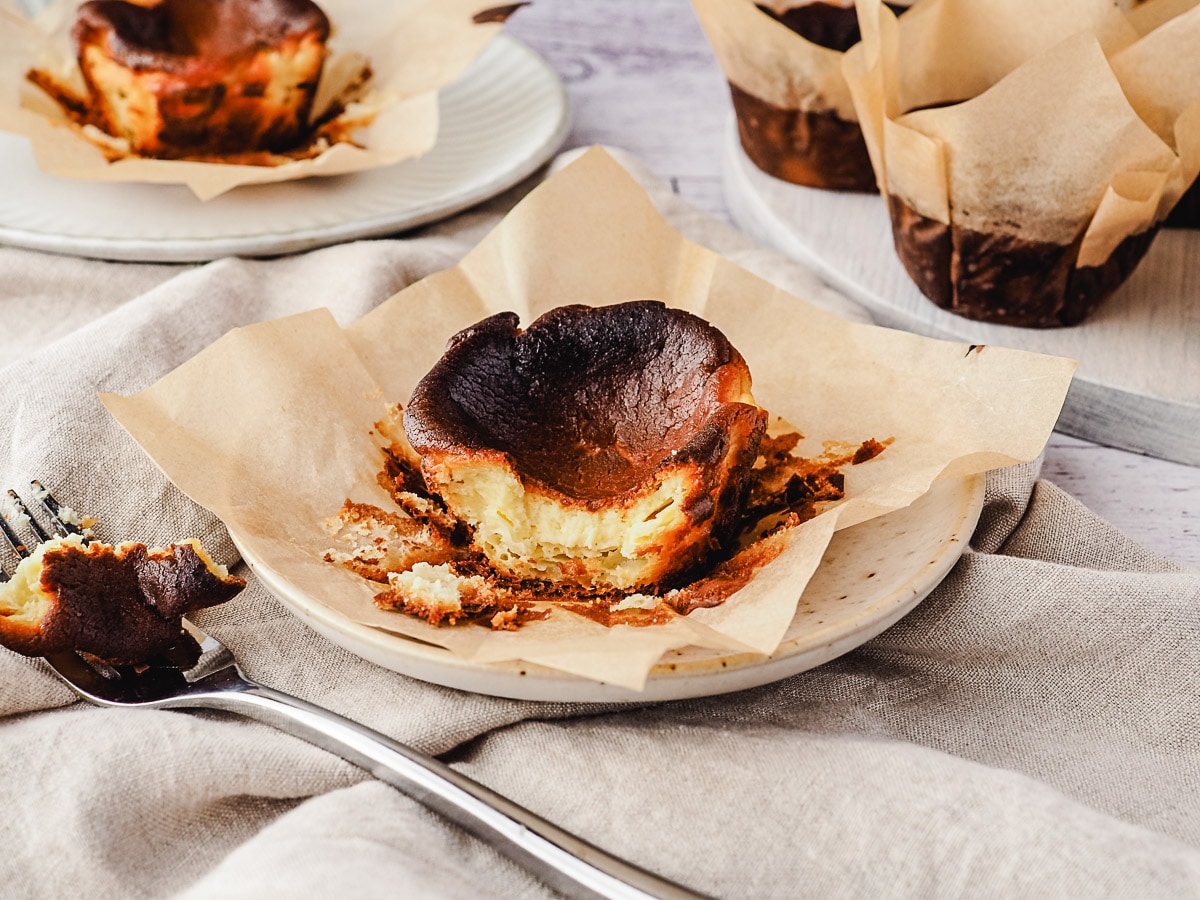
<point x="813" y="146"/>
<point x="608" y="447"/>
<point x="184" y="78"/>
<point x="122" y="604"/>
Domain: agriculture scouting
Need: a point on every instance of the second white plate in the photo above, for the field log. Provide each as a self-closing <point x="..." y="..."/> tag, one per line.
<point x="500" y="121"/>
<point x="871" y="576"/>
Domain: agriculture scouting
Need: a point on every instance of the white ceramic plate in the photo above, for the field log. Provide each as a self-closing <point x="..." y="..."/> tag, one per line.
<point x="871" y="576"/>
<point x="500" y="121"/>
<point x="1138" y="384"/>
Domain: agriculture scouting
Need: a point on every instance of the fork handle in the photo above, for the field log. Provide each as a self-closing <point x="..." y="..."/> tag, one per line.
<point x="565" y="862"/>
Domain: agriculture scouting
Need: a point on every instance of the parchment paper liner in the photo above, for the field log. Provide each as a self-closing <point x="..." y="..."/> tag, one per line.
<point x="415" y="47"/>
<point x="1160" y="75"/>
<point x="796" y="118"/>
<point x="765" y="58"/>
<point x="270" y="426"/>
<point x="1050" y="154"/>
<point x="1145" y="17"/>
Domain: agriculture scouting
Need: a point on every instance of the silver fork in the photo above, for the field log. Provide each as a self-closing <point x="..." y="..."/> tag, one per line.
<point x="564" y="861"/>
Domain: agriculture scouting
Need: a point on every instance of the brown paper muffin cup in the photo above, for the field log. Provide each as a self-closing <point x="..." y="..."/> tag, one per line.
<point x="816" y="149"/>
<point x="1161" y="76"/>
<point x="794" y="116"/>
<point x="1031" y="196"/>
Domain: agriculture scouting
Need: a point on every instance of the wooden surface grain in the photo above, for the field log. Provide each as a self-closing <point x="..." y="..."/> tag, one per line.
<point x="640" y="76"/>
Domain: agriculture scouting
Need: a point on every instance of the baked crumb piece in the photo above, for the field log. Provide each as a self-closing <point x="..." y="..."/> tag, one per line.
<point x="435" y="593"/>
<point x="373" y="542"/>
<point x="446" y="594"/>
<point x="506" y="620"/>
<point x="868" y="450"/>
<point x="786" y="483"/>
<point x="636" y="601"/>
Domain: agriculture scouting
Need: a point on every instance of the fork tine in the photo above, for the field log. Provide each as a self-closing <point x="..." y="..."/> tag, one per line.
<point x="60" y="516"/>
<point x="99" y="666"/>
<point x="23" y="510"/>
<point x="57" y="510"/>
<point x="13" y="540"/>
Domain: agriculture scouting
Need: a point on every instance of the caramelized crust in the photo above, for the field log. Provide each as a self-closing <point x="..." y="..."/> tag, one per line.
<point x="123" y="605"/>
<point x="194" y="35"/>
<point x="587" y="402"/>
<point x="606" y="445"/>
<point x="187" y="77"/>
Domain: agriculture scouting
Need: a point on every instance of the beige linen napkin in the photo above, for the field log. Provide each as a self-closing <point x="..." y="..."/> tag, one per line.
<point x="1029" y="730"/>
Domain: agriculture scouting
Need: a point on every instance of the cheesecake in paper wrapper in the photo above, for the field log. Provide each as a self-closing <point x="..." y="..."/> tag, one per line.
<point x="274" y="425"/>
<point x="1023" y="185"/>
<point x="782" y="59"/>
<point x="376" y="98"/>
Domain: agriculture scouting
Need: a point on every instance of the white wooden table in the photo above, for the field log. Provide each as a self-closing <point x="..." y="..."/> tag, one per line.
<point x="641" y="77"/>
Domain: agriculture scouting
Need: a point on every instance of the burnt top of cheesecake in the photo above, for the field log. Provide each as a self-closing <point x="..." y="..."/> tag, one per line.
<point x="588" y="401"/>
<point x="175" y="33"/>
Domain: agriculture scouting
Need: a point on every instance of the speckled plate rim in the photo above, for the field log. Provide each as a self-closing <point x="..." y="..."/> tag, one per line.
<point x="697" y="674"/>
<point x="541" y="146"/>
